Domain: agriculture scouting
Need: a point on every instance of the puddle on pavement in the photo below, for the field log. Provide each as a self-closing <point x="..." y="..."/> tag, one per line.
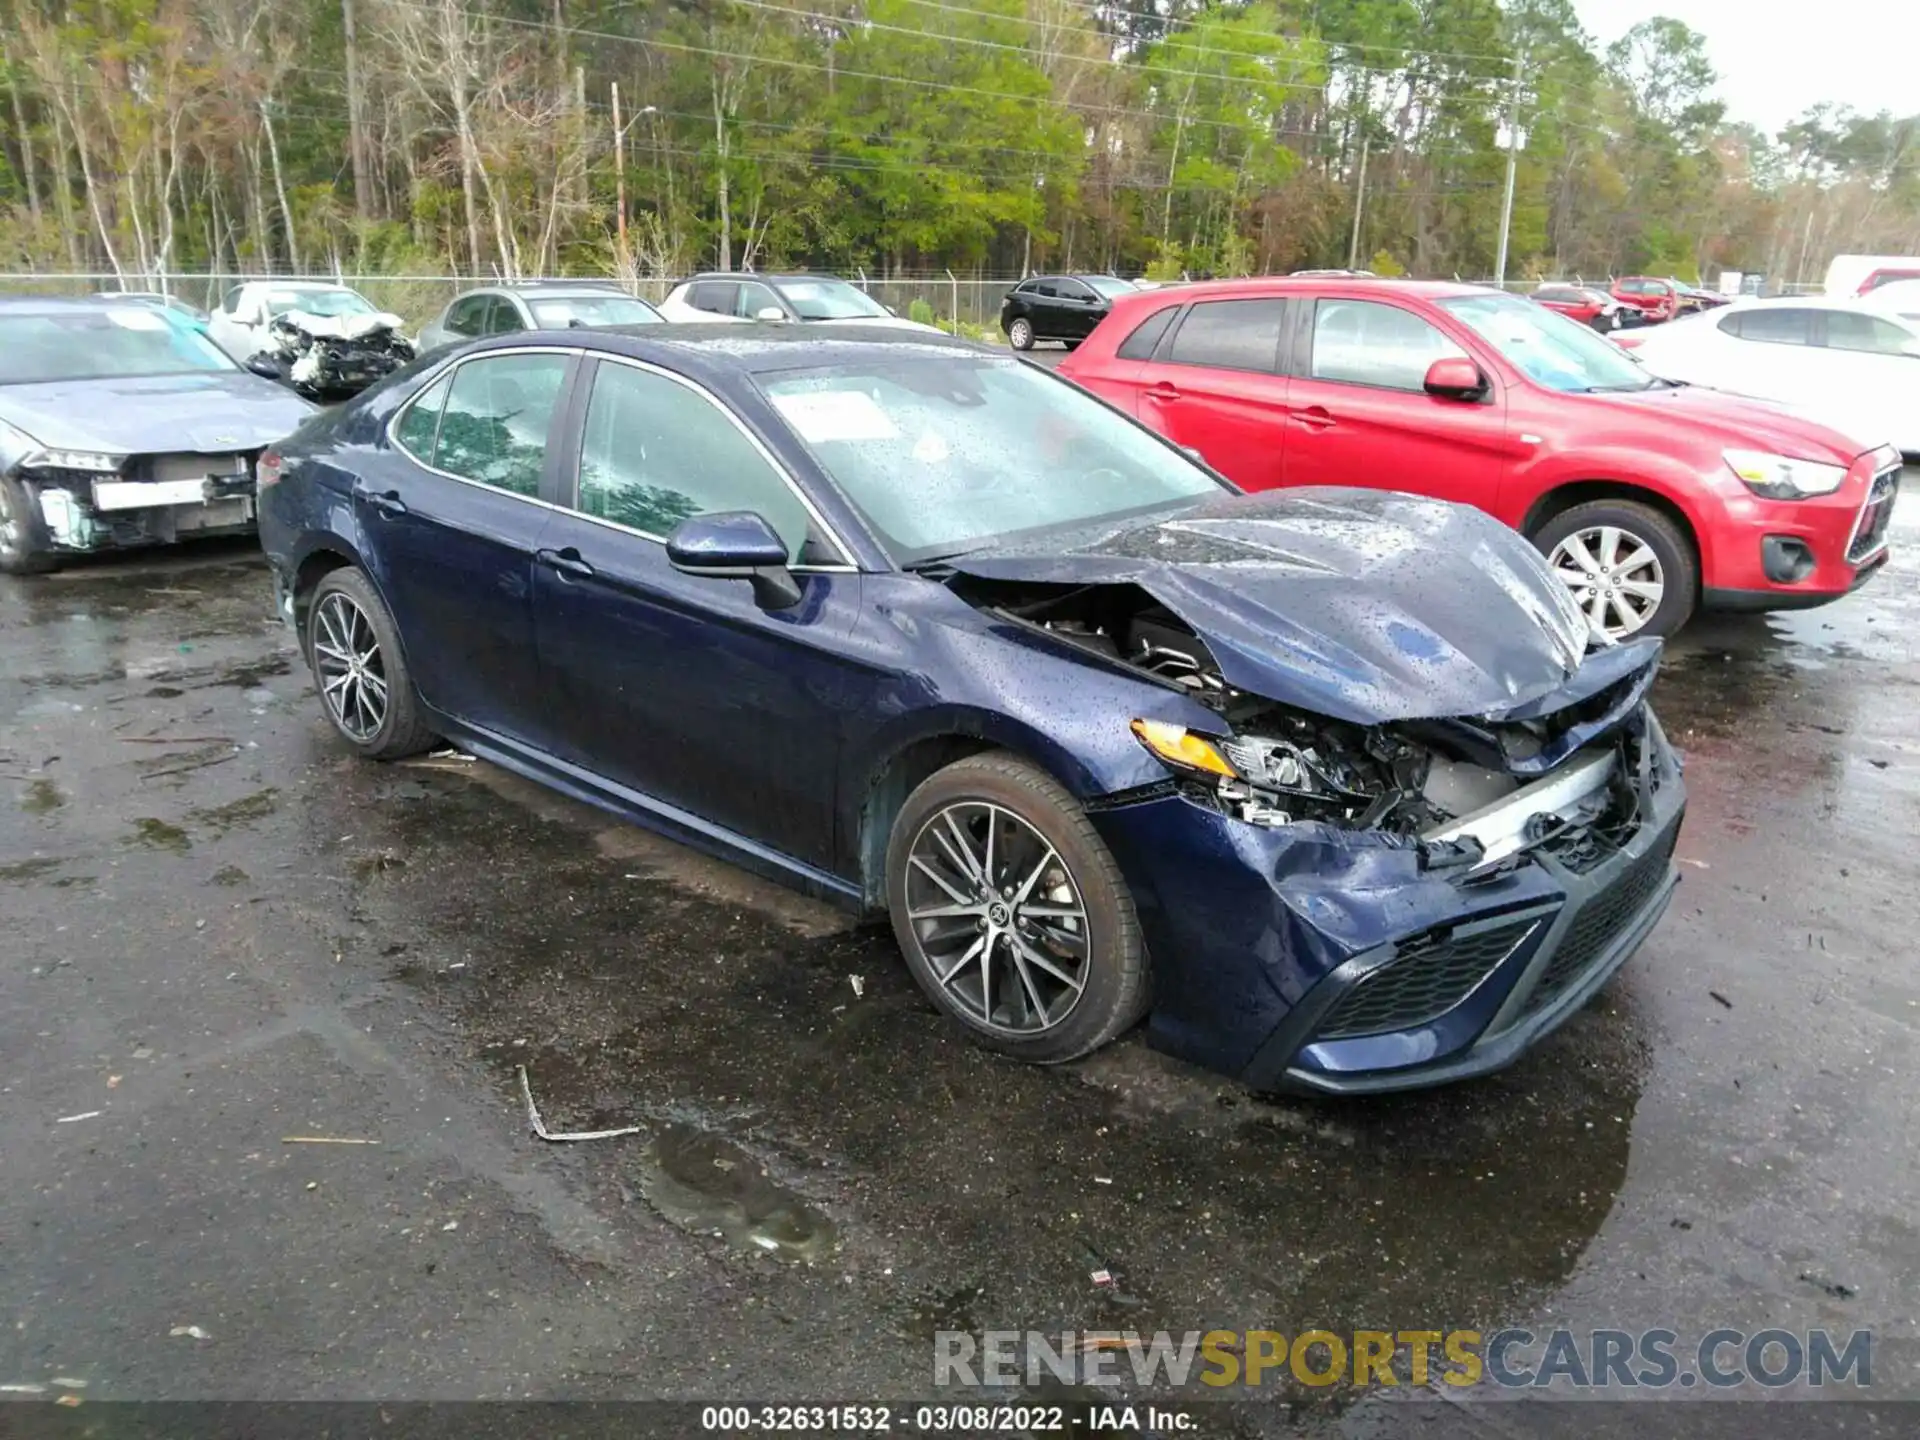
<point x="707" y="1184"/>
<point x="19" y="872"/>
<point x="632" y="995"/>
<point x="41" y="797"/>
<point x="157" y="834"/>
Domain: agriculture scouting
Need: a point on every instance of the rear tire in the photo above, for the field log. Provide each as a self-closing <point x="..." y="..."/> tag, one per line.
<point x="1020" y="333"/>
<point x="1040" y="957"/>
<point x="353" y="649"/>
<point x="1607" y="531"/>
<point x="24" y="546"/>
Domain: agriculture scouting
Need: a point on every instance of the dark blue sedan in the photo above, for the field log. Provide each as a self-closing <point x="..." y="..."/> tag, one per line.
<point x="1327" y="784"/>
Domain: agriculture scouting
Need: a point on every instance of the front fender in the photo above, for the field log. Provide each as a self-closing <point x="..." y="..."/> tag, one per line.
<point x="1622" y="467"/>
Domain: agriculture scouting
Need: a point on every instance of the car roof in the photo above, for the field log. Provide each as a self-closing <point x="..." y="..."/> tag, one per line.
<point x="52" y="304"/>
<point x="1257" y="287"/>
<point x="765" y="277"/>
<point x="1859" y="303"/>
<point x="536" y="288"/>
<point x="712" y="351"/>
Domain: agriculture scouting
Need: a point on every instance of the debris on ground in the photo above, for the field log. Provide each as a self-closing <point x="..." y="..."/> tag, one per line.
<point x="1103" y="1278"/>
<point x="1829" y="1287"/>
<point x="68" y="1400"/>
<point x="69" y="1382"/>
<point x="83" y="1115"/>
<point x="1103" y="1180"/>
<point x="324" y="1140"/>
<point x="176" y="740"/>
<point x="192" y="1332"/>
<point x="859" y="983"/>
<point x="540" y="1126"/>
<point x="1721" y="998"/>
<point x="22" y="1387"/>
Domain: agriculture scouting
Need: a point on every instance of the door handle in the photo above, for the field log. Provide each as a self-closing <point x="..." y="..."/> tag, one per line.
<point x="1163" y="391"/>
<point x="387" y="502"/>
<point x="1314" y="417"/>
<point x="567" y="562"/>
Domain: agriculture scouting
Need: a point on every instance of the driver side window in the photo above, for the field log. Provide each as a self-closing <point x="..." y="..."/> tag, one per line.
<point x="1363" y="342"/>
<point x="656" y="452"/>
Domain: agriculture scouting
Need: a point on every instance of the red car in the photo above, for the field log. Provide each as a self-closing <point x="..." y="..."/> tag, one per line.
<point x="1657" y="300"/>
<point x="1590" y="307"/>
<point x="1648" y="498"/>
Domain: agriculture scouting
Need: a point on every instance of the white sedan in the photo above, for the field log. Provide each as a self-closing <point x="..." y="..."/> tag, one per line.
<point x="239" y="325"/>
<point x="1849" y="363"/>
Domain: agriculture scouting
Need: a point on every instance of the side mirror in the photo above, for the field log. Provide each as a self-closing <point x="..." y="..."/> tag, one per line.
<point x="263" y="365"/>
<point x="1455" y="378"/>
<point x="769" y="312"/>
<point x="735" y="545"/>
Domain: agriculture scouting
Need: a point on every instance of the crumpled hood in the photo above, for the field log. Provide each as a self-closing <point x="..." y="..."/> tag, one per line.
<point x="1363" y="605"/>
<point x="342" y="327"/>
<point x="209" y="412"/>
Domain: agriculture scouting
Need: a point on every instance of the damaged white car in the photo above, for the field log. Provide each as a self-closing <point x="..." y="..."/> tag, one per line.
<point x="326" y="342"/>
<point x="121" y="426"/>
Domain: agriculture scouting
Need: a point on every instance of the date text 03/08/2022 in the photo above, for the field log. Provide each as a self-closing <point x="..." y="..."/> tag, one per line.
<point x="954" y="1419"/>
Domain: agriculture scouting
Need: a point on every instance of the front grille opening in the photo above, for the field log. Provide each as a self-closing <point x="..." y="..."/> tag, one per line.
<point x="1875" y="517"/>
<point x="1422" y="983"/>
<point x="1601" y="920"/>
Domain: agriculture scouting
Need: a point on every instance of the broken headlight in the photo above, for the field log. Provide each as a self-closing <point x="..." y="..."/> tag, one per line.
<point x="1261" y="781"/>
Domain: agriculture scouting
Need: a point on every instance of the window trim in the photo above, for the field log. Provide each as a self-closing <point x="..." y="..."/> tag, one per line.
<point x="571" y="355"/>
<point x="1815" y="335"/>
<point x="570" y="482"/>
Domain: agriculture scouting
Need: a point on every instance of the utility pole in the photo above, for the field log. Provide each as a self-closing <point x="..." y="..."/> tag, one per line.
<point x="619" y="177"/>
<point x="1359" y="199"/>
<point x="1513" y="159"/>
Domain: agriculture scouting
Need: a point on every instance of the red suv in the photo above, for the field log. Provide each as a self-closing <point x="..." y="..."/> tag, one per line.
<point x="1648" y="498"/>
<point x="1656" y="300"/>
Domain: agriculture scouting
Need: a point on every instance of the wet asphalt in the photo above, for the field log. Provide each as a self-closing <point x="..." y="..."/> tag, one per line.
<point x="219" y="931"/>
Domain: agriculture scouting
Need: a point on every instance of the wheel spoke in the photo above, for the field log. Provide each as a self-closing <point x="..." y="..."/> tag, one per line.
<point x="1576" y="550"/>
<point x="1053" y="912"/>
<point x="330" y="652"/>
<point x="944" y="912"/>
<point x="958" y="896"/>
<point x="1033" y="878"/>
<point x="1642" y="555"/>
<point x="986" y="982"/>
<point x="1035" y="957"/>
<point x="1034" y="1004"/>
<point x="1608" y="551"/>
<point x="1628" y="619"/>
<point x="1597" y="606"/>
<point x="986" y="865"/>
<point x="375" y="685"/>
<point x="957" y="848"/>
<point x="966" y="958"/>
<point x="1645" y="589"/>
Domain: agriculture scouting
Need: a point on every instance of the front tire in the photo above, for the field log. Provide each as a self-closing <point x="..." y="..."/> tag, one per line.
<point x="1012" y="913"/>
<point x="1630" y="568"/>
<point x="1020" y="333"/>
<point x="23" y="542"/>
<point x="353" y="649"/>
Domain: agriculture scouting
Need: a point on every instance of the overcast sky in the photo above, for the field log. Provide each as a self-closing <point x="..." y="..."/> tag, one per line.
<point x="1775" y="60"/>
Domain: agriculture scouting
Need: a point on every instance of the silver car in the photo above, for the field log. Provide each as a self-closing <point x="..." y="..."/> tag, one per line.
<point x="553" y="305"/>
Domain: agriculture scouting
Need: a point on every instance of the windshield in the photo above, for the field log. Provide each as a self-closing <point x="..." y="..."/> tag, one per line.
<point x="1548" y="348"/>
<point x="830" y="300"/>
<point x="317" y="302"/>
<point x="949" y="453"/>
<point x="561" y="311"/>
<point x="112" y="343"/>
<point x="1107" y="287"/>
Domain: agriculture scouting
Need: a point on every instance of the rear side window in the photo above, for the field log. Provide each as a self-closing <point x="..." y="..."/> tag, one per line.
<point x="1363" y="342"/>
<point x="753" y="298"/>
<point x="414" y="434"/>
<point x="1771" y="326"/>
<point x="494" y="427"/>
<point x="1231" y="335"/>
<point x="1139" y="345"/>
<point x="714" y="296"/>
<point x="1847" y="330"/>
<point x="502" y="317"/>
<point x="466" y="316"/>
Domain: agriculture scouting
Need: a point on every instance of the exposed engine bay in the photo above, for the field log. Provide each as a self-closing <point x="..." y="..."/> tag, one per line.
<point x="332" y="357"/>
<point x="1469" y="790"/>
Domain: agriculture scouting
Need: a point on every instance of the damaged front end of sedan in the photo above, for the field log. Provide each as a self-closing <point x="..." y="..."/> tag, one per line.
<point x="1393" y="847"/>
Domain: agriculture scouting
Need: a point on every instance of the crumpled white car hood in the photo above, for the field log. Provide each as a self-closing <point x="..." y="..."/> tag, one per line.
<point x="342" y="327"/>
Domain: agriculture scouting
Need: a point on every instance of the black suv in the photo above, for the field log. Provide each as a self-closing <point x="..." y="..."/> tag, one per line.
<point x="1058" y="307"/>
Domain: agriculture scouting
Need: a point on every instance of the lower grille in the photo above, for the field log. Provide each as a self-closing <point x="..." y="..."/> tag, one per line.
<point x="1600" y="921"/>
<point x="1875" y="516"/>
<point x="1420" y="984"/>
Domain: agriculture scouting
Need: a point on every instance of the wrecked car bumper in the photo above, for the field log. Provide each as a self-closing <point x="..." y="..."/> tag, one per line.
<point x="1302" y="958"/>
<point x="79" y="514"/>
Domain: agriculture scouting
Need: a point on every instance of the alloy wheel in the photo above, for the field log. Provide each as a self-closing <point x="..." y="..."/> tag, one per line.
<point x="1020" y="334"/>
<point x="1614" y="574"/>
<point x="352" y="673"/>
<point x="998" y="918"/>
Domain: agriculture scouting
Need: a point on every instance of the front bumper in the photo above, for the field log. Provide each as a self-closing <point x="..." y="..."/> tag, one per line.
<point x="1309" y="959"/>
<point x="78" y="513"/>
<point x="1831" y="543"/>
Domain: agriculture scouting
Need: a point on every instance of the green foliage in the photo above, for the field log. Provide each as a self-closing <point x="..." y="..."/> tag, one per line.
<point x="920" y="312"/>
<point x="1217" y="137"/>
